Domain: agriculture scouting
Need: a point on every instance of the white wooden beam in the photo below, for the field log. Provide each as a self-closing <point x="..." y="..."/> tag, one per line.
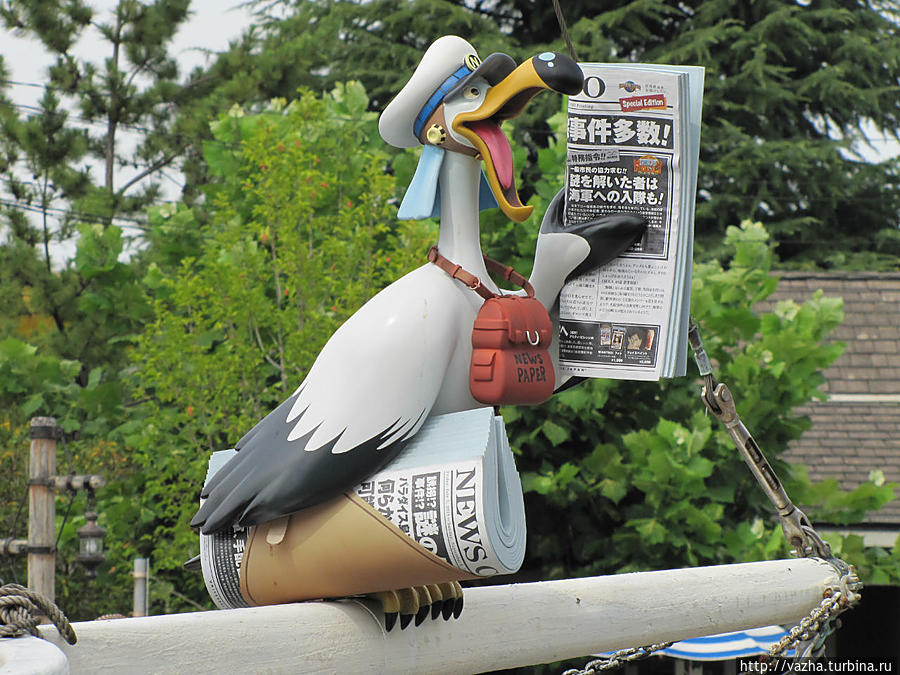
<point x="501" y="626"/>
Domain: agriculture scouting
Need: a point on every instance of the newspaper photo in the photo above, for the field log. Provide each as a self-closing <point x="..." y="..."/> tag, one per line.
<point x="633" y="147"/>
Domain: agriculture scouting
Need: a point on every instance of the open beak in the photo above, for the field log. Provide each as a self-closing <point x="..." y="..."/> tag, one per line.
<point x="505" y="100"/>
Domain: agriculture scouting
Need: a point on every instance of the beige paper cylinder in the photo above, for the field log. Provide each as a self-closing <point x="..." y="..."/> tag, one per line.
<point x="339" y="548"/>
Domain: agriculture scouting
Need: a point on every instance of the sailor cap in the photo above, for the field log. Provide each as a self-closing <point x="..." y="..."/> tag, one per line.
<point x="445" y="68"/>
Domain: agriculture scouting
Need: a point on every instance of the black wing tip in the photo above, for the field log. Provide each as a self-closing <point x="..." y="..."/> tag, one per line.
<point x="218" y="515"/>
<point x="609" y="237"/>
<point x="199" y="522"/>
<point x="553" y="216"/>
<point x="256" y="485"/>
<point x="208" y="527"/>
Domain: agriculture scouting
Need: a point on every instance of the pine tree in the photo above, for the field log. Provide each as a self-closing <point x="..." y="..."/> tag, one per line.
<point x="790" y="87"/>
<point x="86" y="118"/>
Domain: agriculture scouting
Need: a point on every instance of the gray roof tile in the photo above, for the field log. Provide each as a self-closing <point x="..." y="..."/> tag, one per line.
<point x="847" y="440"/>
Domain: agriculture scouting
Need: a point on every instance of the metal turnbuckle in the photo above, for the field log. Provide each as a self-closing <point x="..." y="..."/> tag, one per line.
<point x="719" y="401"/>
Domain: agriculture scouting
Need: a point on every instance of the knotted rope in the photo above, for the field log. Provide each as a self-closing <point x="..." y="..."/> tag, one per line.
<point x="21" y="610"/>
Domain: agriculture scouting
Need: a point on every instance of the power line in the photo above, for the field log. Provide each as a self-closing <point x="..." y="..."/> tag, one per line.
<point x="70" y="116"/>
<point x="177" y="136"/>
<point x="36" y="85"/>
<point x="125" y="221"/>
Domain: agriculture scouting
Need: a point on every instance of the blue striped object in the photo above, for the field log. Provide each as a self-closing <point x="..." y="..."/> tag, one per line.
<point x="727" y="645"/>
<point x="437" y="97"/>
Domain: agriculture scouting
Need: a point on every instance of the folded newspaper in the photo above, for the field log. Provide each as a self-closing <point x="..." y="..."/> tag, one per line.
<point x="448" y="508"/>
<point x="633" y="146"/>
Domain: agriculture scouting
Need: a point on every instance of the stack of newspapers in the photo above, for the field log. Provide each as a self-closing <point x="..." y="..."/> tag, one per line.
<point x="633" y="143"/>
<point x="453" y="493"/>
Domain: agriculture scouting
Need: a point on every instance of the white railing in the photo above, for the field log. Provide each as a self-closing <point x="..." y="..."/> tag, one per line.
<point x="501" y="626"/>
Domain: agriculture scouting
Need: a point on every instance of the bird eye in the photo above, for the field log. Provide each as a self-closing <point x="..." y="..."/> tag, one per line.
<point x="471" y="92"/>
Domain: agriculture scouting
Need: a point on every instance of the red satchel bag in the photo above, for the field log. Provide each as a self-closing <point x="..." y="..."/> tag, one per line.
<point x="510" y="340"/>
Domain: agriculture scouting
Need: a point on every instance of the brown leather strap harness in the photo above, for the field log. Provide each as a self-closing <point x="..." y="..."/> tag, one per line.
<point x="473" y="282"/>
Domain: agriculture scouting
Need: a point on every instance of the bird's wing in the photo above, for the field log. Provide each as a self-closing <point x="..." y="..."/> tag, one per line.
<point x="368" y="392"/>
<point x="608" y="235"/>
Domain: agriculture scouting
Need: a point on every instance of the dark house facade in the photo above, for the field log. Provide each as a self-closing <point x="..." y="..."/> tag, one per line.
<point x="857" y="430"/>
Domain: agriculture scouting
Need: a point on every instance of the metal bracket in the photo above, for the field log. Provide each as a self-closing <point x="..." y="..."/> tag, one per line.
<point x="44" y="431"/>
<point x="719" y="401"/>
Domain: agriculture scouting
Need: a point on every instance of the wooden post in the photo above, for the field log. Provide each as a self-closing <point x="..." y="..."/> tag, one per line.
<point x="141" y="586"/>
<point x="500" y="627"/>
<point x="42" y="507"/>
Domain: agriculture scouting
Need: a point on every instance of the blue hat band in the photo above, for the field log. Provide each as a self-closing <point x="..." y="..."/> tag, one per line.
<point x="437" y="97"/>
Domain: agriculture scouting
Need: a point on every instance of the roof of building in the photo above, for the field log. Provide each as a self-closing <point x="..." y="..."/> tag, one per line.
<point x="858" y="429"/>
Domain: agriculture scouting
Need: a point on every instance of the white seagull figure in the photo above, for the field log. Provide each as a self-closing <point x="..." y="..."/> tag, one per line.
<point x="405" y="354"/>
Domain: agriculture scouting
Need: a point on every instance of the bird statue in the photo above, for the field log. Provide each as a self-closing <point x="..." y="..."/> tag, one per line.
<point x="404" y="355"/>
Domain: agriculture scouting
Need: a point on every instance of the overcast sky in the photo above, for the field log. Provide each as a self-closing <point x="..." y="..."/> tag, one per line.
<point x="211" y="26"/>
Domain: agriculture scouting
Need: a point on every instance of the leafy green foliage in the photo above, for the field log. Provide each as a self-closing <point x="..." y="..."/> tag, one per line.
<point x="35" y="383"/>
<point x="301" y="234"/>
<point x="789" y="90"/>
<point x="84" y="309"/>
<point x="625" y="476"/>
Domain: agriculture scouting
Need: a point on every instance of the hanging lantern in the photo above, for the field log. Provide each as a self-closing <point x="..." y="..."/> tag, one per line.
<point x="90" y="544"/>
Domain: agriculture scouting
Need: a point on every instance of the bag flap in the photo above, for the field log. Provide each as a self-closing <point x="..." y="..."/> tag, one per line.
<point x="528" y="320"/>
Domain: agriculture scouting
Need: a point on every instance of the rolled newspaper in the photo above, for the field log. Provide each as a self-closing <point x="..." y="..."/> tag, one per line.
<point x="448" y="508"/>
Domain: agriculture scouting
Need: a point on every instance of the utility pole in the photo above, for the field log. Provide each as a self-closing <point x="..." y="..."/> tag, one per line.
<point x="42" y="507"/>
<point x="43" y="484"/>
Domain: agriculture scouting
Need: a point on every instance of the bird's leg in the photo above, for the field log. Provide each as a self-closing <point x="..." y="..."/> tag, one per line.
<point x="424" y="603"/>
<point x="452" y="595"/>
<point x="409" y="605"/>
<point x="437" y="600"/>
<point x="390" y="605"/>
<point x="415" y="603"/>
<point x="458" y="600"/>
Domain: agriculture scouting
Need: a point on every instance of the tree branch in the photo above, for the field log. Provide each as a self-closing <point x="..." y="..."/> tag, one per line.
<point x="264" y="351"/>
<point x="165" y="161"/>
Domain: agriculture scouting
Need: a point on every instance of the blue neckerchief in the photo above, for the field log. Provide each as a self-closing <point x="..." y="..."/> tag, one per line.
<point x="423" y="199"/>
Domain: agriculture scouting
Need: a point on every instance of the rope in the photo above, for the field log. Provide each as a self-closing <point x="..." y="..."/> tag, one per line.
<point x="21" y="610"/>
<point x="564" y="28"/>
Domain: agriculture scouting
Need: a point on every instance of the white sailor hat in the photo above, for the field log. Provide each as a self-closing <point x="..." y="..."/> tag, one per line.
<point x="446" y="66"/>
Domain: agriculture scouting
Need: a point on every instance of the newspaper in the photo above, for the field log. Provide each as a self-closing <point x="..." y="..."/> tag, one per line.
<point x="633" y="146"/>
<point x="454" y="489"/>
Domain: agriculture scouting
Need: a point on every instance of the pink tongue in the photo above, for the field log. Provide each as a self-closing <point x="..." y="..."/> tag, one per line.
<point x="498" y="145"/>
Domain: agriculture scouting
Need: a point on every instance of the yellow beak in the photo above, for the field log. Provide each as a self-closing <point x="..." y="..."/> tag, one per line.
<point x="505" y="100"/>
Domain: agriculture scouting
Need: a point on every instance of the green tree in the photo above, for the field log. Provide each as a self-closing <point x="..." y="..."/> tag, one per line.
<point x="641" y="464"/>
<point x="789" y="90"/>
<point x="301" y="233"/>
<point x="34" y="382"/>
<point x="642" y="478"/>
<point x="134" y="89"/>
<point x="88" y="113"/>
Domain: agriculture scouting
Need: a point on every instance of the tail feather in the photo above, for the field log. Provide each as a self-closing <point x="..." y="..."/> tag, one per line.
<point x="272" y="477"/>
